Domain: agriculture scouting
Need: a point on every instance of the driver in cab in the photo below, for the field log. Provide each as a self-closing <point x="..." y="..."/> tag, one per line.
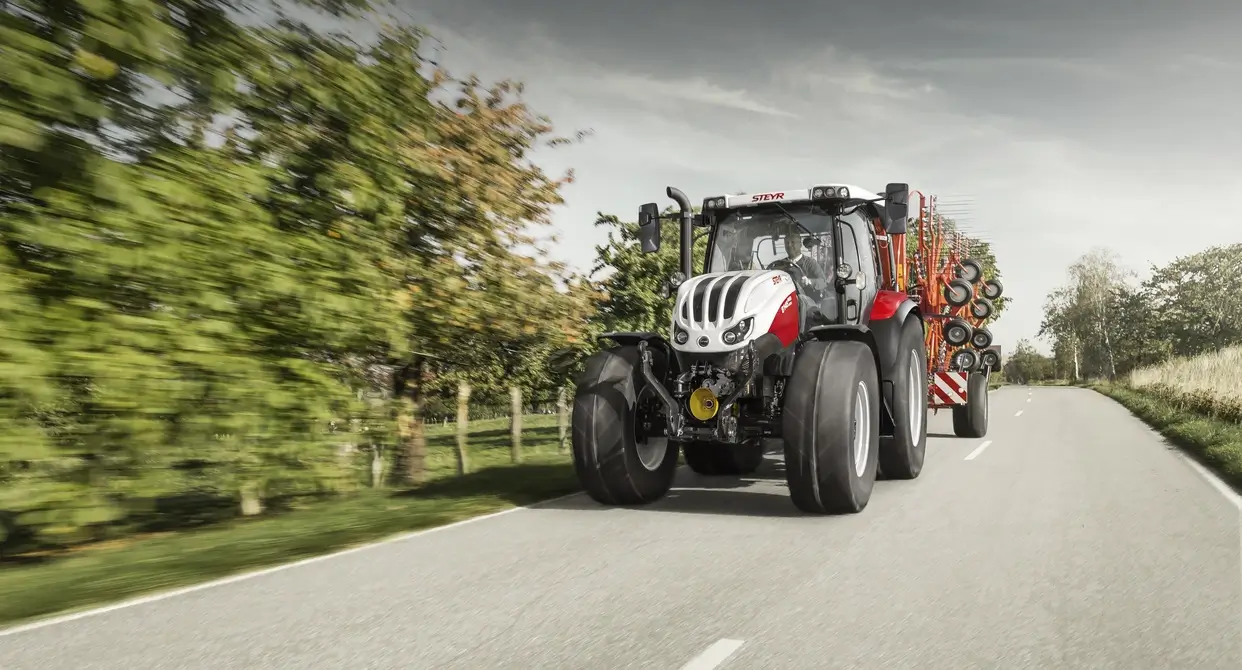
<point x="809" y="277"/>
<point x="808" y="267"/>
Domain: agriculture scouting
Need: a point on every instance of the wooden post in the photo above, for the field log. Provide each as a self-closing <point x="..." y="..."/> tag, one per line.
<point x="411" y="427"/>
<point x="463" y="427"/>
<point x="515" y="424"/>
<point x="562" y="421"/>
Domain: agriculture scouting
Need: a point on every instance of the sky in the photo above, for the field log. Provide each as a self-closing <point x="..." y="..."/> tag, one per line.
<point x="1047" y="128"/>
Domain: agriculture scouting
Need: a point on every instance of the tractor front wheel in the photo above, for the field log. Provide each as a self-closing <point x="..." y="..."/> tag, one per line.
<point x="620" y="453"/>
<point x="831" y="427"/>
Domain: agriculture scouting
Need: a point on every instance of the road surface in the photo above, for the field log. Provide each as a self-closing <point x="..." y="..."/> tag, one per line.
<point x="1071" y="537"/>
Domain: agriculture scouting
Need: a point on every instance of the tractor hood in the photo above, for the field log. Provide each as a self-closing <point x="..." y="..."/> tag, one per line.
<point x="723" y="311"/>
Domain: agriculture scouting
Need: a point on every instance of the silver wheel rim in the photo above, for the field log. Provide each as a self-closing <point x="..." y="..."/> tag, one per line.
<point x="651" y="450"/>
<point x="862" y="428"/>
<point x="958" y="295"/>
<point x="916" y="402"/>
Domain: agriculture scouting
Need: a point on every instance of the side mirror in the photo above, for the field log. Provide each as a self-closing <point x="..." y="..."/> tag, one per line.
<point x="649" y="227"/>
<point x="897" y="207"/>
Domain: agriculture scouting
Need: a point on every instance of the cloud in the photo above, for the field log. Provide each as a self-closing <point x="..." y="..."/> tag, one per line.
<point x="1050" y="131"/>
<point x="697" y="90"/>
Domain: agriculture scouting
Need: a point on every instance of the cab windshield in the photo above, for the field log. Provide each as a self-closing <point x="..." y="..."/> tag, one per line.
<point x="756" y="238"/>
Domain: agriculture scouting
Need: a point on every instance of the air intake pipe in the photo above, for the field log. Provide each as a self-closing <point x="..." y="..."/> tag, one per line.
<point x="687" y="230"/>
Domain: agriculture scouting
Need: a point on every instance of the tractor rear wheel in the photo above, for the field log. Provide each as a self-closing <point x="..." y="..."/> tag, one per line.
<point x="831" y="426"/>
<point x="971" y="419"/>
<point x="707" y="458"/>
<point x="901" y="456"/>
<point x="620" y="453"/>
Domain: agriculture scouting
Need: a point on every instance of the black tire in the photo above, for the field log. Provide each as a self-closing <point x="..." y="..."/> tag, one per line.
<point x="820" y="421"/>
<point x="901" y="456"/>
<point x="606" y="454"/>
<point x="949" y="326"/>
<point x="964" y="292"/>
<point x="706" y="458"/>
<point x="982" y="308"/>
<point x="981" y="338"/>
<point x="970" y="270"/>
<point x="993" y="289"/>
<point x="971" y="419"/>
<point x="970" y="356"/>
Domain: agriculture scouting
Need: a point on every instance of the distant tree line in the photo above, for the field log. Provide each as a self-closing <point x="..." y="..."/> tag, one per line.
<point x="1104" y="324"/>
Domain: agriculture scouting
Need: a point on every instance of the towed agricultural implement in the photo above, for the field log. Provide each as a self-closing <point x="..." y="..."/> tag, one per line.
<point x="811" y="325"/>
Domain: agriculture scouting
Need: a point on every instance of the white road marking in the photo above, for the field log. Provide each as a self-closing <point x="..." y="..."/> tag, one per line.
<point x="1028" y="398"/>
<point x="1215" y="482"/>
<point x="163" y="595"/>
<point x="715" y="655"/>
<point x="1019" y="413"/>
<point x="978" y="450"/>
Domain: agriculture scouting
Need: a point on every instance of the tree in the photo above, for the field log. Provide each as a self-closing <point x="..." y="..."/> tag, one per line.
<point x="631" y="289"/>
<point x="1196" y="302"/>
<point x="1026" y="365"/>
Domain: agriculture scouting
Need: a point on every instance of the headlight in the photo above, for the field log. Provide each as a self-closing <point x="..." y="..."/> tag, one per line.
<point x="680" y="336"/>
<point x="844" y="271"/>
<point x="739" y="332"/>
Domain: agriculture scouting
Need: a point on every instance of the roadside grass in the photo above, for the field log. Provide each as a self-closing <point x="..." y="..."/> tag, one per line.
<point x="99" y="575"/>
<point x="1196" y="403"/>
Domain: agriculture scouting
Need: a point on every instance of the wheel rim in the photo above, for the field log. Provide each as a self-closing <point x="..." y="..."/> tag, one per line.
<point x="916" y="400"/>
<point x="862" y="428"/>
<point x="651" y="450"/>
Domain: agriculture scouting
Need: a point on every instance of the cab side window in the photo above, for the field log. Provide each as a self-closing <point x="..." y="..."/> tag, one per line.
<point x="848" y="251"/>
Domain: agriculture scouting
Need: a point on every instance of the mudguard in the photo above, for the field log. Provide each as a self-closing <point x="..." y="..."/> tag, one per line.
<point x="888" y="315"/>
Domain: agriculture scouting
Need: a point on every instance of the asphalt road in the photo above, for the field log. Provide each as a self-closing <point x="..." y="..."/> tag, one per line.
<point x="1075" y="538"/>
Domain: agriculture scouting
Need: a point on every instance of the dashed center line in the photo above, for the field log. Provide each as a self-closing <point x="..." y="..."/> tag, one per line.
<point x="1019" y="412"/>
<point x="1028" y="398"/>
<point x="978" y="450"/>
<point x="714" y="655"/>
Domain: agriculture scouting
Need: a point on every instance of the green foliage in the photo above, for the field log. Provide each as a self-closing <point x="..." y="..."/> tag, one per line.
<point x="632" y="300"/>
<point x="1025" y="365"/>
<point x="1103" y="324"/>
<point x="214" y="313"/>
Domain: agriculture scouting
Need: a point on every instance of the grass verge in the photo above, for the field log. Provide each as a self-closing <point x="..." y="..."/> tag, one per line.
<point x="1214" y="441"/>
<point x="101" y="575"/>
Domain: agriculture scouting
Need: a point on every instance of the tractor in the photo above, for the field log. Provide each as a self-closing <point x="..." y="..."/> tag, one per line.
<point x="799" y="330"/>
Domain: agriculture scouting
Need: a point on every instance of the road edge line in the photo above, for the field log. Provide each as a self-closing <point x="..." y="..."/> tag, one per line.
<point x="157" y="596"/>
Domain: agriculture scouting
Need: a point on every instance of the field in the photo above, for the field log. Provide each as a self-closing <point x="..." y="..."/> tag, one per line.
<point x="108" y="572"/>
<point x="1218" y="375"/>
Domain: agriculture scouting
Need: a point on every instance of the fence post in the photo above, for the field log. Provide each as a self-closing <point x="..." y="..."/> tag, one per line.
<point x="562" y="421"/>
<point x="463" y="427"/>
<point x="515" y="423"/>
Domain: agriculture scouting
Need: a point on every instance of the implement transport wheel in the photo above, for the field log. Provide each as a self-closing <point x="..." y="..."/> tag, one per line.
<point x="901" y="456"/>
<point x="971" y="419"/>
<point x="707" y="458"/>
<point x="616" y="462"/>
<point x="831" y="427"/>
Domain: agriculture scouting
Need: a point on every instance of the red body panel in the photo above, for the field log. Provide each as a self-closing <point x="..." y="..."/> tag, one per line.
<point x="886" y="304"/>
<point x="785" y="323"/>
